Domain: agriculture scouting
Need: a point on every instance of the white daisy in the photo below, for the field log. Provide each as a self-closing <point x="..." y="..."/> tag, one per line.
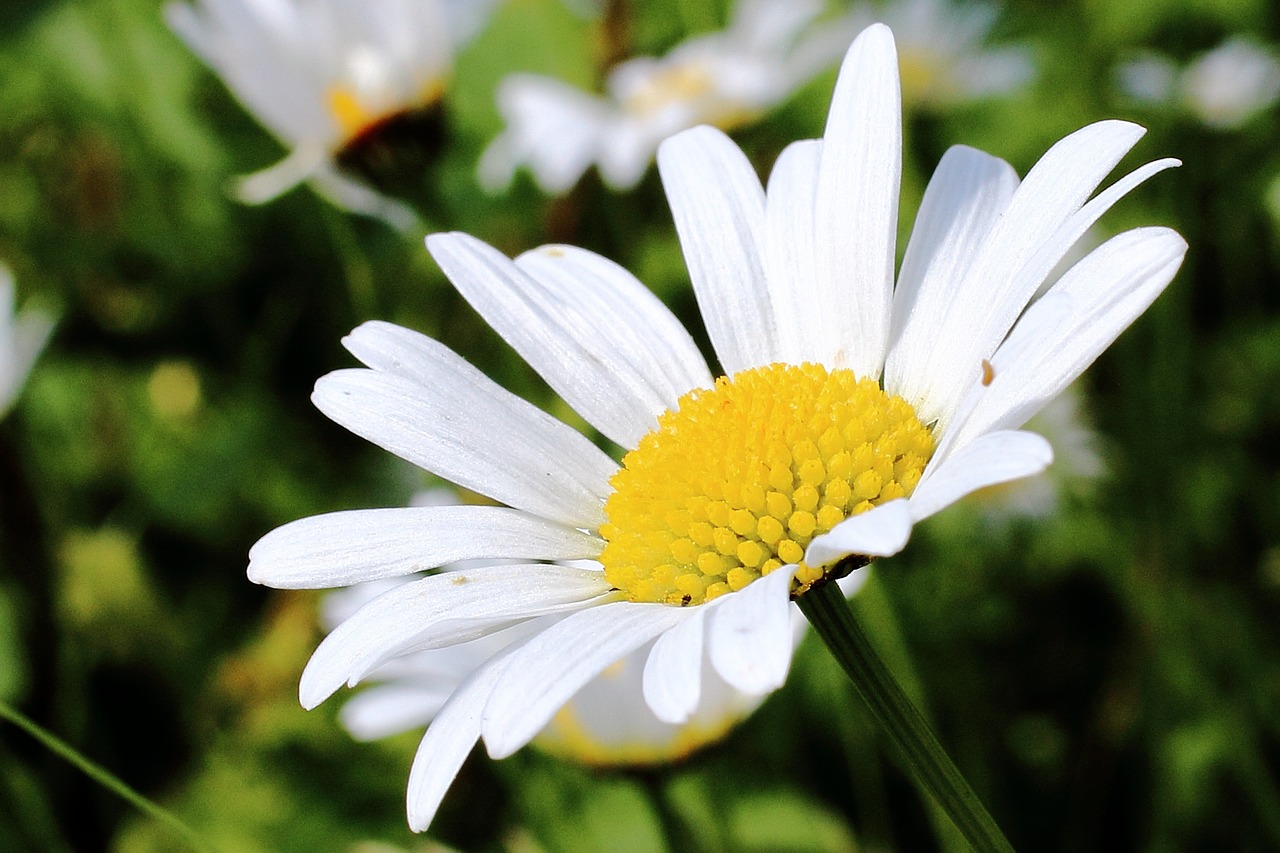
<point x="321" y="73"/>
<point x="1223" y="88"/>
<point x="943" y="54"/>
<point x="22" y="336"/>
<point x="728" y="78"/>
<point x="850" y="409"/>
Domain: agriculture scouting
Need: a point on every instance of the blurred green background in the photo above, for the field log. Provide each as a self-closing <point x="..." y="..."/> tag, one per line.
<point x="1108" y="677"/>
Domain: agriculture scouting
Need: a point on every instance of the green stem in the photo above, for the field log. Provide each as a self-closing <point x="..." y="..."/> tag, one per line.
<point x="674" y="830"/>
<point x="925" y="759"/>
<point x="104" y="777"/>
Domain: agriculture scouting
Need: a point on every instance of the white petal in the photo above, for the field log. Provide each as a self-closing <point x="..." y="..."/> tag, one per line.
<point x="991" y="459"/>
<point x="1054" y="250"/>
<point x="994" y="290"/>
<point x="441" y="610"/>
<point x="881" y="531"/>
<point x="857" y="202"/>
<point x="343" y="548"/>
<point x="22" y="338"/>
<point x="428" y="406"/>
<point x="449" y="740"/>
<point x="356" y="197"/>
<point x="552" y="128"/>
<point x="807" y="316"/>
<point x="852" y="583"/>
<point x="642" y="330"/>
<point x="578" y="351"/>
<point x="771" y="28"/>
<point x="389" y="709"/>
<point x="628" y="144"/>
<point x="1063" y="333"/>
<point x="966" y="196"/>
<point x="749" y="633"/>
<point x="556" y="663"/>
<point x="718" y="207"/>
<point x="673" y="671"/>
<point x="32" y="329"/>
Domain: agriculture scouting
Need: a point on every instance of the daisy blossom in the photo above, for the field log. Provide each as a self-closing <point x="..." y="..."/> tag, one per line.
<point x="727" y="79"/>
<point x="320" y="74"/>
<point x="848" y="410"/>
<point x="1223" y="88"/>
<point x="942" y="52"/>
<point x="23" y="335"/>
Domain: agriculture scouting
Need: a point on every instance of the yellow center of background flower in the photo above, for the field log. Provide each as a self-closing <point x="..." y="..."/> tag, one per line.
<point x="355" y="112"/>
<point x="670" y="85"/>
<point x="738" y="479"/>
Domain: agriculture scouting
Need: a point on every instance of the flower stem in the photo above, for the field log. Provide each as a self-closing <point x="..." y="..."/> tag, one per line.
<point x="674" y="831"/>
<point x="104" y="777"/>
<point x="925" y="759"/>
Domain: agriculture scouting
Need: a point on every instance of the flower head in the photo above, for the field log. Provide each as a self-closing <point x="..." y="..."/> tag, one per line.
<point x="726" y="79"/>
<point x="942" y="52"/>
<point x="320" y="74"/>
<point x="1223" y="88"/>
<point x="23" y="335"/>
<point x="849" y="409"/>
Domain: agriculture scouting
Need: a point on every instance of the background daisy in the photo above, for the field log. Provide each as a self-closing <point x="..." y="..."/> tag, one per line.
<point x="1223" y="88"/>
<point x="729" y="78"/>
<point x="23" y="335"/>
<point x="320" y="74"/>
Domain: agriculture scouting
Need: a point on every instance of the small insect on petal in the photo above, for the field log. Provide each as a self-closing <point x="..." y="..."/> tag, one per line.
<point x="988" y="373"/>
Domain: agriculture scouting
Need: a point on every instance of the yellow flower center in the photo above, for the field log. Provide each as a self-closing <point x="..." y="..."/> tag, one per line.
<point x="356" y="112"/>
<point x="738" y="479"/>
<point x="922" y="77"/>
<point x="666" y="86"/>
<point x="686" y="83"/>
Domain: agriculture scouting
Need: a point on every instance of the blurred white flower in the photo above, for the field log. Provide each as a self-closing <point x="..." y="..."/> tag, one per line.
<point x="942" y="52"/>
<point x="1223" y="88"/>
<point x="1077" y="462"/>
<point x="726" y="79"/>
<point x="22" y="337"/>
<point x="1148" y="78"/>
<point x="319" y="74"/>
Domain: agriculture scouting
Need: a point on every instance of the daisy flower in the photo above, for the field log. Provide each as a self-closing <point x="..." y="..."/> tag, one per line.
<point x="726" y="79"/>
<point x="323" y="74"/>
<point x="1223" y="88"/>
<point x="942" y="52"/>
<point x="23" y="335"/>
<point x="847" y="410"/>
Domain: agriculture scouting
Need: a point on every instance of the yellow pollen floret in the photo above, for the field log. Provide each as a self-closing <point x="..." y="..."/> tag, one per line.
<point x="355" y="112"/>
<point x="738" y="479"/>
<point x="351" y="115"/>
